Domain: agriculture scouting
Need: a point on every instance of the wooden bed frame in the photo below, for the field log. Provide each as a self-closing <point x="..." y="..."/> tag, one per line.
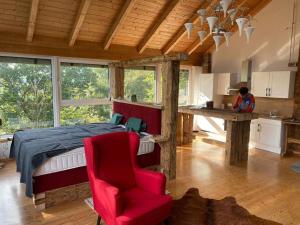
<point x="69" y="185"/>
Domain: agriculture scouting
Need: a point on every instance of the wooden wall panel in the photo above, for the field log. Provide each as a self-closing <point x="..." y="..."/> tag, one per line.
<point x="183" y="11"/>
<point x="138" y="22"/>
<point x="98" y="20"/>
<point x="56" y="18"/>
<point x="14" y="15"/>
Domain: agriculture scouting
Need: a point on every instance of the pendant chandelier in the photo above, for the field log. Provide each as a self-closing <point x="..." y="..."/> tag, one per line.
<point x="220" y="22"/>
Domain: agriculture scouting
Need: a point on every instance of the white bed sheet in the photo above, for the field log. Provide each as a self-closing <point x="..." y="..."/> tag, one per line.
<point x="76" y="158"/>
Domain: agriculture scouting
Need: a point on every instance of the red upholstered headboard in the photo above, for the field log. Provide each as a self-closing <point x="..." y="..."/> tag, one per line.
<point x="151" y="116"/>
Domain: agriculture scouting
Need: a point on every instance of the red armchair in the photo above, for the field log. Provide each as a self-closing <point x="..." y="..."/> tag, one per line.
<point x="124" y="194"/>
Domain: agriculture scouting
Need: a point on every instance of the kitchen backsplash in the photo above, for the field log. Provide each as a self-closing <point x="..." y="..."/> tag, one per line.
<point x="283" y="107"/>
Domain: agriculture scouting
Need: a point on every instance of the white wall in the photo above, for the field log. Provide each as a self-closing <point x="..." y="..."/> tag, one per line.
<point x="270" y="44"/>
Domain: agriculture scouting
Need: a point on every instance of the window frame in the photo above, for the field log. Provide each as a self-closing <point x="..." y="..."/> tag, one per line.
<point x="57" y="100"/>
<point x="189" y="85"/>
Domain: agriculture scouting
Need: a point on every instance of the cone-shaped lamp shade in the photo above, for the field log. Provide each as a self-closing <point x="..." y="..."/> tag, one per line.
<point x="227" y="36"/>
<point x="232" y="14"/>
<point x="202" y="13"/>
<point x="189" y="28"/>
<point x="241" y="23"/>
<point x="202" y="34"/>
<point x="211" y="22"/>
<point x="249" y="31"/>
<point x="225" y="5"/>
<point x="217" y="39"/>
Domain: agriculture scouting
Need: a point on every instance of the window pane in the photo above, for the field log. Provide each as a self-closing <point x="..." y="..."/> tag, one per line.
<point x="140" y="83"/>
<point x="71" y="115"/>
<point x="183" y="87"/>
<point x="79" y="81"/>
<point x="25" y="94"/>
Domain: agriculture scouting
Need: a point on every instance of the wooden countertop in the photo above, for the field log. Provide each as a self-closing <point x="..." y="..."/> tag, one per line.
<point x="218" y="113"/>
<point x="291" y="122"/>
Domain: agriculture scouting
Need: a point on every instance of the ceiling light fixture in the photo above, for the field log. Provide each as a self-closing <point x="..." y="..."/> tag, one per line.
<point x="218" y="27"/>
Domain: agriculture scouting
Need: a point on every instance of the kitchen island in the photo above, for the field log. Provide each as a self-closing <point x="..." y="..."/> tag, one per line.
<point x="238" y="130"/>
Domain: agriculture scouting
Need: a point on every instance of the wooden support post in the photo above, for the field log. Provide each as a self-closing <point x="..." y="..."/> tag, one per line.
<point x="191" y="124"/>
<point x="186" y="128"/>
<point x="116" y="82"/>
<point x="170" y="76"/>
<point x="237" y="141"/>
<point x="179" y="138"/>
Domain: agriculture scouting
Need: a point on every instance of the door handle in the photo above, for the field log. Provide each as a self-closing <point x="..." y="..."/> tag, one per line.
<point x="266" y="91"/>
<point x="269" y="91"/>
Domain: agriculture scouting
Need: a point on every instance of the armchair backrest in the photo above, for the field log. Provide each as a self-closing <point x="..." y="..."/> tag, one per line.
<point x="112" y="157"/>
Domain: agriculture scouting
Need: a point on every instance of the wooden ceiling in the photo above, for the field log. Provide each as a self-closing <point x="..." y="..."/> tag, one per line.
<point x="110" y="29"/>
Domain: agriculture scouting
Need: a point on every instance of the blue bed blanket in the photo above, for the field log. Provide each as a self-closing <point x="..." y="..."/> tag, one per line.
<point x="31" y="148"/>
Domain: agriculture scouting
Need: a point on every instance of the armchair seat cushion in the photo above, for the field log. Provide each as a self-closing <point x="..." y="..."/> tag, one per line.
<point x="144" y="208"/>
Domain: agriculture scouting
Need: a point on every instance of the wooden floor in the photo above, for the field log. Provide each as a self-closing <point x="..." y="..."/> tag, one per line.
<point x="266" y="187"/>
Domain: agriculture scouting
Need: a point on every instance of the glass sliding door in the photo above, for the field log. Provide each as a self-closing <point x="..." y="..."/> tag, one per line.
<point x="85" y="93"/>
<point x="25" y="93"/>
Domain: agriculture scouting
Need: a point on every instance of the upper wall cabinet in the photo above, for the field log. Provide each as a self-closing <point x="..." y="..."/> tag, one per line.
<point x="279" y="84"/>
<point x="225" y="81"/>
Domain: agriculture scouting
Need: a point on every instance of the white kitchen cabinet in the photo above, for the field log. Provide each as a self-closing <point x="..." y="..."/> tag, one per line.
<point x="266" y="134"/>
<point x="260" y="83"/>
<point x="278" y="84"/>
<point x="225" y="81"/>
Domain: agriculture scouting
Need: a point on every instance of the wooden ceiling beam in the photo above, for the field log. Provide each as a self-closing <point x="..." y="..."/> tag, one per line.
<point x="182" y="31"/>
<point x="84" y="6"/>
<point x="128" y="5"/>
<point x="32" y="20"/>
<point x="258" y="7"/>
<point x="50" y="46"/>
<point x="155" y="27"/>
<point x="150" y="60"/>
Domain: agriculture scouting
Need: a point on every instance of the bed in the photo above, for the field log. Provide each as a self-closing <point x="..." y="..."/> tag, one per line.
<point x="62" y="177"/>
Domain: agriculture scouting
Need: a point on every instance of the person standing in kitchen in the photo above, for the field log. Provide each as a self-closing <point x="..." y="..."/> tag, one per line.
<point x="245" y="102"/>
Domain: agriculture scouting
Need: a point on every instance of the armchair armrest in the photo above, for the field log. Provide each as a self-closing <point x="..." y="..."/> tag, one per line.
<point x="153" y="182"/>
<point x="108" y="197"/>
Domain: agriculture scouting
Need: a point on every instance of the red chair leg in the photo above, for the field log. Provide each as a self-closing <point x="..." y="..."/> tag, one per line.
<point x="98" y="220"/>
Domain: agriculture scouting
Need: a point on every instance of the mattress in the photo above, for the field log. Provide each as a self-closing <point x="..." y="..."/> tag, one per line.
<point x="76" y="158"/>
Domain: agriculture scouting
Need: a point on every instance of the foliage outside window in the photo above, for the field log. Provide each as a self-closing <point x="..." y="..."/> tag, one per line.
<point x="25" y="94"/>
<point x="84" y="82"/>
<point x="71" y="115"/>
<point x="183" y="87"/>
<point x="140" y="82"/>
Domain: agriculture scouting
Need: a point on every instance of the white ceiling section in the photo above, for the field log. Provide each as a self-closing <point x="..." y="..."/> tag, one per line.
<point x="269" y="48"/>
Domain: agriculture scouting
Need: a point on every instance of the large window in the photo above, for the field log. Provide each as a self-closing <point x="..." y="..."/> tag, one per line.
<point x="84" y="89"/>
<point x="140" y="82"/>
<point x="25" y="93"/>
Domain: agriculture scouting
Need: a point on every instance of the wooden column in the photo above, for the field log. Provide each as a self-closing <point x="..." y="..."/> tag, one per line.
<point x="170" y="77"/>
<point x="297" y="91"/>
<point x="185" y="128"/>
<point x="179" y="136"/>
<point x="116" y="82"/>
<point x="237" y="142"/>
